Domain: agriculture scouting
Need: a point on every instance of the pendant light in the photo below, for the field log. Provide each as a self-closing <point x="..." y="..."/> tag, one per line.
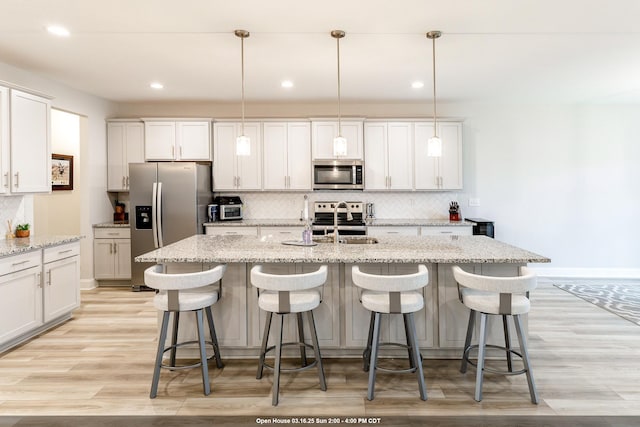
<point x="339" y="142"/>
<point x="434" y="145"/>
<point x="243" y="143"/>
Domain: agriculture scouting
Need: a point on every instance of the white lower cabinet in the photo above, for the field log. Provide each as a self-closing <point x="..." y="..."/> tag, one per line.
<point x="392" y="231"/>
<point x="392" y="326"/>
<point x="20" y="295"/>
<point x="61" y="279"/>
<point x="35" y="295"/>
<point x="230" y="230"/>
<point x="112" y="253"/>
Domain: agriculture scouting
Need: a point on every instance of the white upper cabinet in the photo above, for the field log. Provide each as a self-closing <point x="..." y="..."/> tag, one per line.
<point x="232" y="172"/>
<point x="323" y="133"/>
<point x="287" y="156"/>
<point x="177" y="140"/>
<point x="125" y="144"/>
<point x="5" y="161"/>
<point x="388" y="148"/>
<point x="439" y="173"/>
<point x="29" y="144"/>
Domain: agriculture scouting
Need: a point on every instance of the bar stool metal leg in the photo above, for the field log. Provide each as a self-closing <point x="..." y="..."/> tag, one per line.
<point x="415" y="356"/>
<point x="525" y="358"/>
<point x="366" y="355"/>
<point x="276" y="366"/>
<point x="263" y="347"/>
<point x="481" y="354"/>
<point x="467" y="341"/>
<point x="507" y="342"/>
<point x="407" y="334"/>
<point x="214" y="337"/>
<point x="303" y="351"/>
<point x="316" y="350"/>
<point x="374" y="356"/>
<point x="159" y="353"/>
<point x="203" y="353"/>
<point x="174" y="337"/>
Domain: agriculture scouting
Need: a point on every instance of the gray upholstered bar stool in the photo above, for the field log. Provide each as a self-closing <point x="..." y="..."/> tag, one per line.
<point x="194" y="292"/>
<point x="287" y="294"/>
<point x="500" y="296"/>
<point x="396" y="294"/>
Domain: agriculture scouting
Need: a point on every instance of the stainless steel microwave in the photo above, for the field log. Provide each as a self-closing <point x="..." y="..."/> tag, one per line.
<point x="338" y="175"/>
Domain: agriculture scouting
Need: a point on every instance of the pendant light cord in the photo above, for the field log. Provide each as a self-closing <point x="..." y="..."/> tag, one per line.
<point x="242" y="66"/>
<point x="435" y="113"/>
<point x="339" y="113"/>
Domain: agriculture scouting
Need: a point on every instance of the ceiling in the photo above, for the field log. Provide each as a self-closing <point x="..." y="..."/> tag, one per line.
<point x="533" y="51"/>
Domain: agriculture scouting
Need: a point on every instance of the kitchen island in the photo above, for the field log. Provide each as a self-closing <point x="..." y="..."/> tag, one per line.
<point x="341" y="321"/>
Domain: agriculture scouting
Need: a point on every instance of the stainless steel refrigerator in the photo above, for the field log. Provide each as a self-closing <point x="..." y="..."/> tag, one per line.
<point x="168" y="202"/>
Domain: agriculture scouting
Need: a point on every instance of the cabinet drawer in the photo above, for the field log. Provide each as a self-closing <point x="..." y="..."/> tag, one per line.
<point x="282" y="233"/>
<point x="112" y="233"/>
<point x="392" y="231"/>
<point x="20" y="262"/>
<point x="60" y="252"/>
<point x="231" y="230"/>
<point x="455" y="230"/>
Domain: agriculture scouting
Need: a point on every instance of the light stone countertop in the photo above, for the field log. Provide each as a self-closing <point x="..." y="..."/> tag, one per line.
<point x="391" y="249"/>
<point x="375" y="223"/>
<point x="26" y="244"/>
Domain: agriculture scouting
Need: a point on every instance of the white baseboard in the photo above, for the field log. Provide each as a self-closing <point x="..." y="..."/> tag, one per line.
<point x="588" y="273"/>
<point x="88" y="284"/>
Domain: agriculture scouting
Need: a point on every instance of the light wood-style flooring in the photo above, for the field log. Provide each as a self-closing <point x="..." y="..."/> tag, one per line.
<point x="585" y="360"/>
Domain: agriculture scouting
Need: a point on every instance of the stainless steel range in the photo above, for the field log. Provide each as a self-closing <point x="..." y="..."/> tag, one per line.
<point x="349" y="218"/>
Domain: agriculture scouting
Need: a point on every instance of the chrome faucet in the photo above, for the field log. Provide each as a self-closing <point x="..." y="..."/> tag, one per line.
<point x="335" y="219"/>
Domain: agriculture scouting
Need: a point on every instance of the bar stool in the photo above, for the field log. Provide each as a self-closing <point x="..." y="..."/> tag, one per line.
<point x="287" y="294"/>
<point x="395" y="295"/>
<point x="501" y="296"/>
<point x="185" y="292"/>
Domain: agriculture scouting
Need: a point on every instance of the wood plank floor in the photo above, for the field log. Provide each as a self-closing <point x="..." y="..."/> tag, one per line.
<point x="585" y="362"/>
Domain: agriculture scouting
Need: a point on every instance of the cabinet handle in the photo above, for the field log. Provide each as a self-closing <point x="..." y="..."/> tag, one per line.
<point x="123" y="181"/>
<point x="19" y="263"/>
<point x="173" y="151"/>
<point x="6" y="180"/>
<point x="115" y="248"/>
<point x="49" y="275"/>
<point x="110" y="248"/>
<point x="181" y="151"/>
<point x="230" y="232"/>
<point x="39" y="276"/>
<point x="64" y="252"/>
<point x="393" y="232"/>
<point x="446" y="232"/>
<point x="112" y="234"/>
<point x="238" y="182"/>
<point x="389" y="181"/>
<point x="17" y="175"/>
<point x="127" y="182"/>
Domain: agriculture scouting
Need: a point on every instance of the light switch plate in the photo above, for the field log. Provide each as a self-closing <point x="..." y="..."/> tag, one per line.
<point x="474" y="201"/>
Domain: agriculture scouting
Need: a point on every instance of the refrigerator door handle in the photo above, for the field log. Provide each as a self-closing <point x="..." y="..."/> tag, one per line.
<point x="159" y="215"/>
<point x="154" y="213"/>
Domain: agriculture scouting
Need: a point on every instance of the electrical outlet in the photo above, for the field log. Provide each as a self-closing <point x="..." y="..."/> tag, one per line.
<point x="473" y="201"/>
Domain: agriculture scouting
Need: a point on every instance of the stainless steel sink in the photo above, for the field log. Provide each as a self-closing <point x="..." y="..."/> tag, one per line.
<point x="348" y="240"/>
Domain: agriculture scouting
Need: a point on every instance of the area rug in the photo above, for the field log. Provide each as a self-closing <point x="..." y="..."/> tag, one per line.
<point x="620" y="299"/>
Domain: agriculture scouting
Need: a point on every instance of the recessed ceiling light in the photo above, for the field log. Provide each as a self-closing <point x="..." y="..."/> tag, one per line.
<point x="286" y="83"/>
<point x="156" y="85"/>
<point x="57" y="30"/>
<point x="417" y="85"/>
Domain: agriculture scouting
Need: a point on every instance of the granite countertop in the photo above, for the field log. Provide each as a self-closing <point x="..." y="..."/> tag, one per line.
<point x="26" y="244"/>
<point x="111" y="225"/>
<point x="391" y="249"/>
<point x="375" y="223"/>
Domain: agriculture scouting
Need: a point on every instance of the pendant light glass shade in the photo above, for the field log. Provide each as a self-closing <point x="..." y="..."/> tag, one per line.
<point x="434" y="145"/>
<point x="243" y="143"/>
<point x="339" y="142"/>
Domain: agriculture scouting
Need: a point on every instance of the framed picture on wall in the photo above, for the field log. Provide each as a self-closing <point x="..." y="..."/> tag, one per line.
<point x="61" y="172"/>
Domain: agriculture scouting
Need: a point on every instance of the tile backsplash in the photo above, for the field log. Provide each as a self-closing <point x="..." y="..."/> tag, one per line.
<point x="283" y="205"/>
<point x="17" y="209"/>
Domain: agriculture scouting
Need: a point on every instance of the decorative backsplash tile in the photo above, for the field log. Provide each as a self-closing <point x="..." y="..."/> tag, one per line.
<point x="283" y="205"/>
<point x="12" y="208"/>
